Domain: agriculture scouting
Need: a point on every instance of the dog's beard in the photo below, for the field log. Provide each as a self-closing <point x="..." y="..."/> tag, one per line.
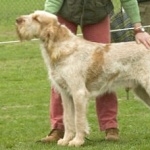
<point x="19" y="34"/>
<point x="24" y="35"/>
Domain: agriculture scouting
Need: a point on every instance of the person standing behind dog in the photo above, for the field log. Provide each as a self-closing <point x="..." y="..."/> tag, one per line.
<point x="95" y="28"/>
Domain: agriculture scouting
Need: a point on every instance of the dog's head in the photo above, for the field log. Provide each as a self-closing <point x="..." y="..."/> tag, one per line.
<point x="30" y="26"/>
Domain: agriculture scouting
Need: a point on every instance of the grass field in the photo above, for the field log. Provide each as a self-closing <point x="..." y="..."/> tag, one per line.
<point x="24" y="99"/>
<point x="10" y="10"/>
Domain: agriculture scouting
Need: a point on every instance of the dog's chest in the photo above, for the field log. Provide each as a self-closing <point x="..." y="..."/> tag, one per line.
<point x="58" y="79"/>
<point x="56" y="70"/>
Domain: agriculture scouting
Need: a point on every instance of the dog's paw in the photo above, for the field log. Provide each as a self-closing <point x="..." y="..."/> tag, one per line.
<point x="76" y="142"/>
<point x="62" y="142"/>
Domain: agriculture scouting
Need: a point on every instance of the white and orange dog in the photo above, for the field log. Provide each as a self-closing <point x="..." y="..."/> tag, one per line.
<point x="79" y="69"/>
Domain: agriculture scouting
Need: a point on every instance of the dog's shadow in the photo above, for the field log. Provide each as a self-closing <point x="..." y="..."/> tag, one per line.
<point x="122" y="143"/>
<point x="96" y="143"/>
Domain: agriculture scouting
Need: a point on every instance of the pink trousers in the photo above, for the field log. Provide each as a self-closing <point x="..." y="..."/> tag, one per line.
<point x="106" y="105"/>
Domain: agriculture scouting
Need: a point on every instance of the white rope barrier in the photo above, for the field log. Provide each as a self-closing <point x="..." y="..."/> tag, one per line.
<point x="116" y="30"/>
<point x="9" y="42"/>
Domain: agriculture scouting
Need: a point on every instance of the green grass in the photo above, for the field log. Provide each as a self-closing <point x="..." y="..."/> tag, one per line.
<point x="10" y="10"/>
<point x="25" y="92"/>
<point x="24" y="109"/>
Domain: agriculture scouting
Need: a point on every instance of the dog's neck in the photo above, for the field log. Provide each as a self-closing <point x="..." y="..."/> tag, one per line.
<point x="57" y="37"/>
<point x="51" y="40"/>
<point x="63" y="33"/>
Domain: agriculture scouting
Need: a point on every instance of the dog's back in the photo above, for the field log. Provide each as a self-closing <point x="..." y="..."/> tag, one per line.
<point x="104" y="66"/>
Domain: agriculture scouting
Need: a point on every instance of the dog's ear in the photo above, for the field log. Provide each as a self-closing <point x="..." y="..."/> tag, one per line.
<point x="40" y="19"/>
<point x="44" y="17"/>
<point x="48" y="22"/>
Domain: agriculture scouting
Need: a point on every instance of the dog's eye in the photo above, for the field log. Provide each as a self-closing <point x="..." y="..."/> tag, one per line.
<point x="19" y="20"/>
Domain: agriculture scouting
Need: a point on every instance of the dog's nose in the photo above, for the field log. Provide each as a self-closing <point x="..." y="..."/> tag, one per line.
<point x="19" y="20"/>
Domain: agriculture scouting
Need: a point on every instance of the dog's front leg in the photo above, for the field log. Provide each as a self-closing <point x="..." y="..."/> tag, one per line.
<point x="68" y="109"/>
<point x="80" y="99"/>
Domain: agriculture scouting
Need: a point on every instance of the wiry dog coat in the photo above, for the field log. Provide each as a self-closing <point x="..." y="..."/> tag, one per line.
<point x="80" y="69"/>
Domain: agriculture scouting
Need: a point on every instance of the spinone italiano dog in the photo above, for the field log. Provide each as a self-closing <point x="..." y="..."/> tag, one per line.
<point x="80" y="69"/>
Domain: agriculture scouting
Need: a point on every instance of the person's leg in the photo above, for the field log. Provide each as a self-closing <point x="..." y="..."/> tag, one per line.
<point x="106" y="105"/>
<point x="56" y="118"/>
<point x="56" y="109"/>
<point x="99" y="32"/>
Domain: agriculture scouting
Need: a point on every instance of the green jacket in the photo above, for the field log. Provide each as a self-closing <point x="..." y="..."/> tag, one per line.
<point x="130" y="6"/>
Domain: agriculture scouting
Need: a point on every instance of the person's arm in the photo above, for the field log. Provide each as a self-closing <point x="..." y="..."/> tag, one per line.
<point x="53" y="6"/>
<point x="132" y="9"/>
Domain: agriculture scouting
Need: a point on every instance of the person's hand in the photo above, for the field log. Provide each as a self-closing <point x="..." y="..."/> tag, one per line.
<point x="144" y="38"/>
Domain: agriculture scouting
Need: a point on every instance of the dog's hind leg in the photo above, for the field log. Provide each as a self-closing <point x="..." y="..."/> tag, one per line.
<point x="142" y="81"/>
<point x="68" y="118"/>
<point x="143" y="94"/>
<point x="80" y="98"/>
<point x="142" y="90"/>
